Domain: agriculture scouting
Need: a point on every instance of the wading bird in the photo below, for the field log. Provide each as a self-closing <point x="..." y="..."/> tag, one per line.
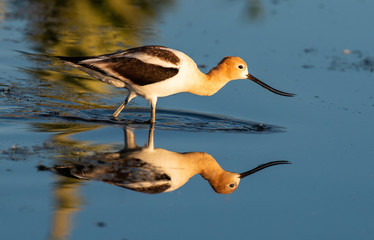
<point x="155" y="71"/>
<point x="153" y="170"/>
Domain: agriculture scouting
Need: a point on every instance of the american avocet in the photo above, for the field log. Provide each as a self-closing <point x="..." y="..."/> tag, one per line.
<point x="154" y="170"/>
<point x="156" y="71"/>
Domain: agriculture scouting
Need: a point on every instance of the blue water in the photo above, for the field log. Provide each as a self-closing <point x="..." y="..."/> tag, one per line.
<point x="50" y="115"/>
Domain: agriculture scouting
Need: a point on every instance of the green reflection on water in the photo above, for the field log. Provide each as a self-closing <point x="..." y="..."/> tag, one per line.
<point x="72" y="28"/>
<point x="88" y="26"/>
<point x="66" y="147"/>
<point x="67" y="201"/>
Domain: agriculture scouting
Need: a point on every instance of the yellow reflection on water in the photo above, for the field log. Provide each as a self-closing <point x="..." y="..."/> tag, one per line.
<point x="88" y="26"/>
<point x="67" y="201"/>
<point x="64" y="145"/>
<point x="1" y="11"/>
<point x="85" y="27"/>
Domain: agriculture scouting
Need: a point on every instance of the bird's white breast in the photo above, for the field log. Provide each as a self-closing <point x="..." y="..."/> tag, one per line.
<point x="175" y="165"/>
<point x="179" y="83"/>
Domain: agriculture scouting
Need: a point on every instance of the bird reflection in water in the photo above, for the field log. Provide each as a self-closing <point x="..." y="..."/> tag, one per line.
<point x="154" y="170"/>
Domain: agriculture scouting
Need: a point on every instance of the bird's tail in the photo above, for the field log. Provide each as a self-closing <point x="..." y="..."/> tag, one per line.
<point x="74" y="60"/>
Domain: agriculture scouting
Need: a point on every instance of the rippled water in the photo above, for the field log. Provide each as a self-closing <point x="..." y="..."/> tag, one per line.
<point x="69" y="171"/>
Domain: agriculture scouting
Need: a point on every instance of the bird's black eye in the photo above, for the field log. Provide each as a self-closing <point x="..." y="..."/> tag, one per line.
<point x="241" y="66"/>
<point x="232" y="185"/>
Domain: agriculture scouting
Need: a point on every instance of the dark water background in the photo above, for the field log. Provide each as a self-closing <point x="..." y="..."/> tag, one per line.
<point x="52" y="115"/>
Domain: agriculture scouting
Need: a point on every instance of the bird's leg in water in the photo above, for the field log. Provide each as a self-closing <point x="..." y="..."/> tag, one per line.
<point x="130" y="96"/>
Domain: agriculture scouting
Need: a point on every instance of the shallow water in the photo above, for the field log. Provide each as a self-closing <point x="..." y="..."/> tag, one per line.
<point x="53" y="116"/>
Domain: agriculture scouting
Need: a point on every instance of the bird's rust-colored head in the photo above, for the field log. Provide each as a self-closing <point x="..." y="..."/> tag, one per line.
<point x="236" y="68"/>
<point x="227" y="182"/>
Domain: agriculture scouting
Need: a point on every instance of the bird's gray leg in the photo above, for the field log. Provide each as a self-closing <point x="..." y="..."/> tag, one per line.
<point x="153" y="110"/>
<point x="129" y="139"/>
<point x="150" y="142"/>
<point x="130" y="96"/>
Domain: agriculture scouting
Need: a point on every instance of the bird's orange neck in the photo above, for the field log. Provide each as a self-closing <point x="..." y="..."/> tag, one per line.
<point x="208" y="84"/>
<point x="205" y="165"/>
<point x="211" y="171"/>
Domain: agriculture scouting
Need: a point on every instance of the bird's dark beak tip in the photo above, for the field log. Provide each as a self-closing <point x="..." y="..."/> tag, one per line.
<point x="290" y="95"/>
<point x="264" y="85"/>
<point x="262" y="166"/>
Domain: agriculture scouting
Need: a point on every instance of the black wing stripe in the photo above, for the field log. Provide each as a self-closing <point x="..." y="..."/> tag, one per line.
<point x="136" y="71"/>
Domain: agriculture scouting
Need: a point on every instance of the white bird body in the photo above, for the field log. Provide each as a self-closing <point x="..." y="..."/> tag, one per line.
<point x="178" y="166"/>
<point x="179" y="83"/>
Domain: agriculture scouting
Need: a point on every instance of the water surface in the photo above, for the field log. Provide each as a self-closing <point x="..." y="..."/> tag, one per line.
<point x="52" y="115"/>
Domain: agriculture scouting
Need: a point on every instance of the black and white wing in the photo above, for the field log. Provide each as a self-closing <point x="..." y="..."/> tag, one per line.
<point x="141" y="66"/>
